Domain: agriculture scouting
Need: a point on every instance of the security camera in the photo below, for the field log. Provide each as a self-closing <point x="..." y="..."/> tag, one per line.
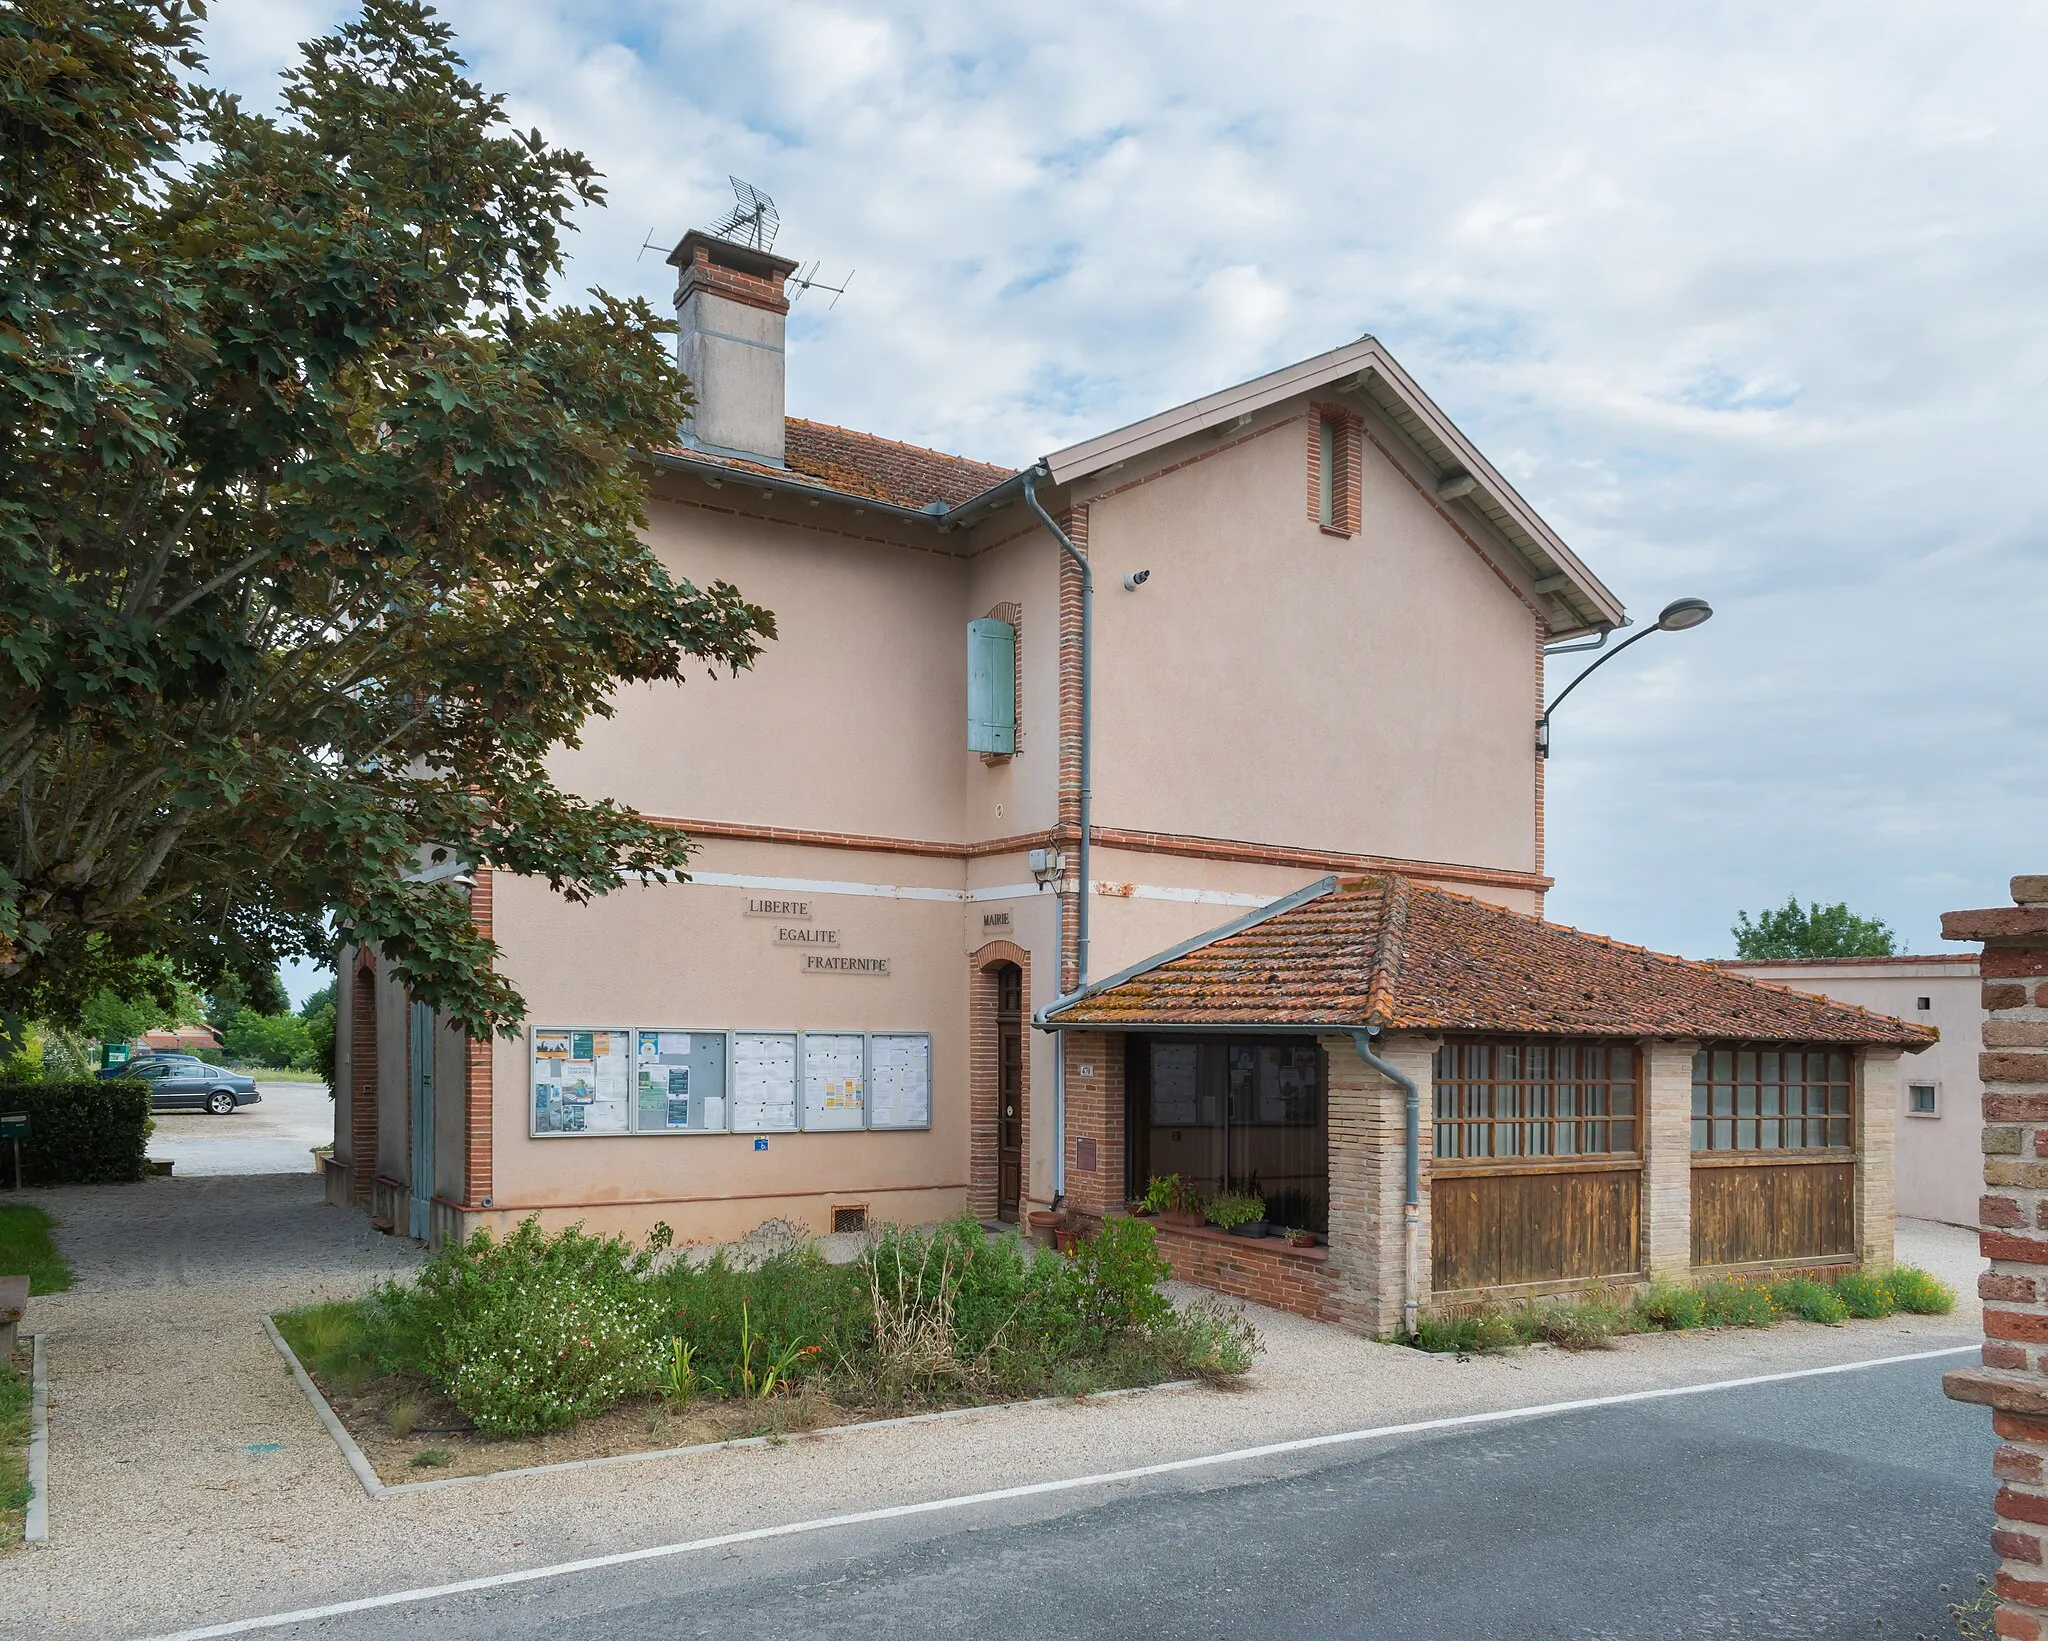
<point x="1136" y="579"/>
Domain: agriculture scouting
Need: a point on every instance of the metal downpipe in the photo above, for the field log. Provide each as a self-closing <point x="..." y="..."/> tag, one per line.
<point x="1411" y="1207"/>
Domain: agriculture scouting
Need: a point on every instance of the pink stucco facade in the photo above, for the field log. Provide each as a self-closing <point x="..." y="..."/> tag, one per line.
<point x="1276" y="701"/>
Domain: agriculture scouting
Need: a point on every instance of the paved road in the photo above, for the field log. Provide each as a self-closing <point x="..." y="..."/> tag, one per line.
<point x="274" y="1136"/>
<point x="1812" y="1509"/>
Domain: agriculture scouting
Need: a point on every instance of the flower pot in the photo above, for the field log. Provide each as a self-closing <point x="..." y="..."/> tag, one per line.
<point x="1065" y="1240"/>
<point x="1256" y="1228"/>
<point x="1186" y="1218"/>
<point x="1303" y="1239"/>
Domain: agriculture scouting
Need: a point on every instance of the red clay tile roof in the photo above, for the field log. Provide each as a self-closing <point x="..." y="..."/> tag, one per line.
<point x="1385" y="951"/>
<point x="867" y="468"/>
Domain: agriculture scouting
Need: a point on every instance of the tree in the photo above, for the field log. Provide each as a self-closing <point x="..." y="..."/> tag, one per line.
<point x="268" y="1039"/>
<point x="319" y="526"/>
<point x="1812" y="931"/>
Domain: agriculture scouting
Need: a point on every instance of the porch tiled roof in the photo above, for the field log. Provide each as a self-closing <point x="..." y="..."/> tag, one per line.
<point x="1385" y="951"/>
<point x="841" y="462"/>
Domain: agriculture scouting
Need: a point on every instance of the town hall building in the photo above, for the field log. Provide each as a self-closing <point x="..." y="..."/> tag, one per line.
<point x="1172" y="804"/>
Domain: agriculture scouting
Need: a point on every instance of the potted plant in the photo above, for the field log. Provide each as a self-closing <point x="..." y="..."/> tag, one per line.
<point x="1181" y="1203"/>
<point x="1238" y="1214"/>
<point x="1157" y="1193"/>
<point x="1298" y="1238"/>
<point x="1066" y="1235"/>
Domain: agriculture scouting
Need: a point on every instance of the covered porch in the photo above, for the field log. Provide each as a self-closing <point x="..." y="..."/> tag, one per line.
<point x="1467" y="1102"/>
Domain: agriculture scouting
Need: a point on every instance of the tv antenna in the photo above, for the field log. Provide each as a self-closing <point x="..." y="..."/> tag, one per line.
<point x="753" y="220"/>
<point x="806" y="279"/>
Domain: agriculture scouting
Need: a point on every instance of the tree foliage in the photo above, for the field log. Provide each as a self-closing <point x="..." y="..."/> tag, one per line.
<point x="319" y="525"/>
<point x="1810" y="931"/>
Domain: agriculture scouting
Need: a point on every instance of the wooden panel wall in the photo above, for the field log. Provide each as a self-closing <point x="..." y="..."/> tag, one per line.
<point x="1499" y="1229"/>
<point x="1747" y="1213"/>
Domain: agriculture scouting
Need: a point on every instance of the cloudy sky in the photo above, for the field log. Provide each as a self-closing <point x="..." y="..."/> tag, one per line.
<point x="1745" y="297"/>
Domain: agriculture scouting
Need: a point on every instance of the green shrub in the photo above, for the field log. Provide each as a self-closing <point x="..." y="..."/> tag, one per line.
<point x="1735" y="1304"/>
<point x="1587" y="1323"/>
<point x="530" y="1333"/>
<point x="1810" y="1301"/>
<point x="1479" y="1331"/>
<point x="1672" y="1307"/>
<point x="1213" y="1342"/>
<point x="1920" y="1293"/>
<point x="1864" y="1296"/>
<point x="523" y="1360"/>
<point x="1119" y="1270"/>
<point x="792" y="1307"/>
<point x="81" y="1132"/>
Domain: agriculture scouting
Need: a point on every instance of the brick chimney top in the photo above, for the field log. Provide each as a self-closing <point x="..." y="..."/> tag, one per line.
<point x="730" y="314"/>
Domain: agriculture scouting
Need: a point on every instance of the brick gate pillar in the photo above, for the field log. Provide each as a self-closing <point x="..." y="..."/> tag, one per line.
<point x="1368" y="1182"/>
<point x="1667" y="1160"/>
<point x="2013" y="1380"/>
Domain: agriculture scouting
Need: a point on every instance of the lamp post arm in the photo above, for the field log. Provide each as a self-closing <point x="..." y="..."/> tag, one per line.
<point x="1595" y="667"/>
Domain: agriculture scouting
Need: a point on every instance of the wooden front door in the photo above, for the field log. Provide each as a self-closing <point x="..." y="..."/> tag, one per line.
<point x="1009" y="1090"/>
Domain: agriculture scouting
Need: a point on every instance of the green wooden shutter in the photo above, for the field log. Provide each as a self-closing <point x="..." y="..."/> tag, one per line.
<point x="991" y="687"/>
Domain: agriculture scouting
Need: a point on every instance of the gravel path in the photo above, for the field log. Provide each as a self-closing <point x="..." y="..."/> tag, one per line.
<point x="191" y="1482"/>
<point x="276" y="1135"/>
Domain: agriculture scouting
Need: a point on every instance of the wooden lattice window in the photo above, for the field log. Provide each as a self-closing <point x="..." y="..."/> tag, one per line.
<point x="1749" y="1097"/>
<point x="1536" y="1097"/>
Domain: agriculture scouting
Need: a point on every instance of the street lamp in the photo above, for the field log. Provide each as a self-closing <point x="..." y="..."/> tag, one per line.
<point x="1680" y="615"/>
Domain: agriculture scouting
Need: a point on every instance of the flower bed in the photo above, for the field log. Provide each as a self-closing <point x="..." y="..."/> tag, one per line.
<point x="540" y="1347"/>
<point x="1593" y="1321"/>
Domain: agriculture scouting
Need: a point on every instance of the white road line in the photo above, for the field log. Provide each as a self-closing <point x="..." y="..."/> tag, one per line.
<point x="963" y="1501"/>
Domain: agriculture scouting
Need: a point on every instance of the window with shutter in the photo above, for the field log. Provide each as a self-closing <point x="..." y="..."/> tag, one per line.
<point x="991" y="687"/>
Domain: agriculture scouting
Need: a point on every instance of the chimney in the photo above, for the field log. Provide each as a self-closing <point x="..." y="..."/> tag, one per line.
<point x="731" y="310"/>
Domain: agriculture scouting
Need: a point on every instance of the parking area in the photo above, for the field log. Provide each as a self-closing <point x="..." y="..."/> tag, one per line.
<point x="274" y="1136"/>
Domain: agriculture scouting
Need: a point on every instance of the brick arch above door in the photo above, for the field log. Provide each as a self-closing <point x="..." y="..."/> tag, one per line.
<point x="985" y="1074"/>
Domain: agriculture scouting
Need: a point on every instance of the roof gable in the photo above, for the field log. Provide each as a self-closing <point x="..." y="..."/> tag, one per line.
<point x="1385" y="951"/>
<point x="1367" y="370"/>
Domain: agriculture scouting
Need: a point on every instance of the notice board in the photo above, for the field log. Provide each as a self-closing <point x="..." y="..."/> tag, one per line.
<point x="900" y="1080"/>
<point x="580" y="1079"/>
<point x="763" y="1082"/>
<point x="835" y="1080"/>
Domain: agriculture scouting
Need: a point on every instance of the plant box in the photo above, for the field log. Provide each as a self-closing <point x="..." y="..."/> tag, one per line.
<point x="1256" y="1228"/>
<point x="1186" y="1219"/>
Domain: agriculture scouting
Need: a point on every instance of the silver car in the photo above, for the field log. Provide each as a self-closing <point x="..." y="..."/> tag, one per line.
<point x="179" y="1082"/>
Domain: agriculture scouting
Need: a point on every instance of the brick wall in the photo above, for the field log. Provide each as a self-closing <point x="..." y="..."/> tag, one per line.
<point x="1877" y="1106"/>
<point x="1667" y="1161"/>
<point x="1265" y="1271"/>
<point x="1075" y="523"/>
<point x="362" y="1074"/>
<point x="1095" y="1121"/>
<point x="477" y="1158"/>
<point x="2013" y="1379"/>
<point x="1368" y="1162"/>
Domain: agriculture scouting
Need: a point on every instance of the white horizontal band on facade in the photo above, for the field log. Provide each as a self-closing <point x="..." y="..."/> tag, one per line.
<point x="1004" y="891"/>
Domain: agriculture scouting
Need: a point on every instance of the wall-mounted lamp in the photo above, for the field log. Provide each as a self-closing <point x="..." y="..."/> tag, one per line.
<point x="1680" y="615"/>
<point x="1136" y="579"/>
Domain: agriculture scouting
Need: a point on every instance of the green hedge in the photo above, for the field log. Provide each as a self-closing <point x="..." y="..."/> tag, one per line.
<point x="81" y="1132"/>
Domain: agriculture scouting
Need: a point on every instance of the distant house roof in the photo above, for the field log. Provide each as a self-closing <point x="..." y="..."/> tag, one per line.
<point x="861" y="467"/>
<point x="1387" y="952"/>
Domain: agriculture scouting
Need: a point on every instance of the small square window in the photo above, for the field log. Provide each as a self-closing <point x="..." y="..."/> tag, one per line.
<point x="1921" y="1100"/>
<point x="1926" y="1003"/>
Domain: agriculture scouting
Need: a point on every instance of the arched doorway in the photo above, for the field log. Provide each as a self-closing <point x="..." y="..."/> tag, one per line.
<point x="1009" y="980"/>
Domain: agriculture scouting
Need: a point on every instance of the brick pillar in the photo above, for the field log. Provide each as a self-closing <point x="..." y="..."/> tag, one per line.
<point x="1877" y="1105"/>
<point x="478" y="1150"/>
<point x="2013" y="1380"/>
<point x="1368" y="1166"/>
<point x="1095" y="1121"/>
<point x="362" y="1075"/>
<point x="1667" y="1160"/>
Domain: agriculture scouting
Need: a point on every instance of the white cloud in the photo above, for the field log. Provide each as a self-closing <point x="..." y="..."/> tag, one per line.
<point x="1747" y="298"/>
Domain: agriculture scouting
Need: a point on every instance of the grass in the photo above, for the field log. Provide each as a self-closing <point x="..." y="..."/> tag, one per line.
<point x="1593" y="1321"/>
<point x="278" y="1074"/>
<point x="14" y="1430"/>
<point x="26" y="1248"/>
